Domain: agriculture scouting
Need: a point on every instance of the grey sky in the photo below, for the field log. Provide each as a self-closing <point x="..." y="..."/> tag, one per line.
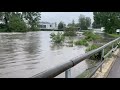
<point x="66" y="17"/>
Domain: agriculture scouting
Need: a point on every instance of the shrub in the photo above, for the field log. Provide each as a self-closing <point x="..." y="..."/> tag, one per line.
<point x="96" y="56"/>
<point x="89" y="36"/>
<point x="70" y="31"/>
<point x="57" y="38"/>
<point x="81" y="42"/>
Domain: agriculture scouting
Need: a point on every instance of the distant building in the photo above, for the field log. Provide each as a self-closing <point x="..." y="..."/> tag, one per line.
<point x="99" y="30"/>
<point x="118" y="31"/>
<point x="48" y="25"/>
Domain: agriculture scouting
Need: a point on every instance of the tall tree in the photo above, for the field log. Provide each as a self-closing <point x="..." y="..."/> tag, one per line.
<point x="17" y="24"/>
<point x="82" y="22"/>
<point x="73" y="23"/>
<point x="109" y="20"/>
<point x="88" y="22"/>
<point x="61" y="25"/>
<point x="4" y="17"/>
<point x="33" y="19"/>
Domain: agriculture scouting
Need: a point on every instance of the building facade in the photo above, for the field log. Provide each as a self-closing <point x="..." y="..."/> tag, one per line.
<point x="48" y="25"/>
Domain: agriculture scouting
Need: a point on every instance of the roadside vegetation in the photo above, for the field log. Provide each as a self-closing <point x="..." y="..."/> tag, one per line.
<point x="89" y="37"/>
<point x="19" y="21"/>
<point x="114" y="35"/>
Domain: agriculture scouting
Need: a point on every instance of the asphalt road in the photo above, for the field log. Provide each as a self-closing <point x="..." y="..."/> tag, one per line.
<point x="115" y="70"/>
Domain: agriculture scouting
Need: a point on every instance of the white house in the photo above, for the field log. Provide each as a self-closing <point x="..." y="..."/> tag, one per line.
<point x="99" y="30"/>
<point x="118" y="31"/>
<point x="48" y="25"/>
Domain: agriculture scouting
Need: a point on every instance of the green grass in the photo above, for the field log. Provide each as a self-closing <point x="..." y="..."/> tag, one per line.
<point x="114" y="35"/>
<point x="82" y="42"/>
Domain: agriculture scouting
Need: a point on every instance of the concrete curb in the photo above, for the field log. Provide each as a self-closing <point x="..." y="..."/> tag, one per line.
<point x="107" y="73"/>
<point x="106" y="68"/>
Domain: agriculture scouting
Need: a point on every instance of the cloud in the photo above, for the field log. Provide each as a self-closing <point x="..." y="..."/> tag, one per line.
<point x="66" y="17"/>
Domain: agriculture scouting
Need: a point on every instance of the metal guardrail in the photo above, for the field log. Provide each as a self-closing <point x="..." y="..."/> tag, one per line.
<point x="66" y="67"/>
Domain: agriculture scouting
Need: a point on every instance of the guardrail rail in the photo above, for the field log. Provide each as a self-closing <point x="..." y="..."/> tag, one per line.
<point x="66" y="67"/>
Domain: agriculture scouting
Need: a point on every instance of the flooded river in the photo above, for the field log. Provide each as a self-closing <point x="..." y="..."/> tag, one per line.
<point x="23" y="55"/>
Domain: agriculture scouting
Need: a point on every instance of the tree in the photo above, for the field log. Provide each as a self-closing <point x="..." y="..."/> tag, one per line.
<point x="95" y="25"/>
<point x="4" y="17"/>
<point x="88" y="22"/>
<point x="61" y="25"/>
<point x="109" y="20"/>
<point x="17" y="24"/>
<point x="82" y="22"/>
<point x="33" y="19"/>
<point x="71" y="31"/>
<point x="72" y="24"/>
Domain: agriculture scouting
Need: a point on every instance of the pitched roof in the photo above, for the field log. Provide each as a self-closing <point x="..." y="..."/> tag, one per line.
<point x="45" y="23"/>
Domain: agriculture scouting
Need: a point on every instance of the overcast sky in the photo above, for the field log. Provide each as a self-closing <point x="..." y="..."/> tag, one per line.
<point x="66" y="17"/>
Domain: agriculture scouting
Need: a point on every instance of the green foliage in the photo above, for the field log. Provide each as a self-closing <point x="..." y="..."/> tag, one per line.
<point x="84" y="22"/>
<point x="90" y="36"/>
<point x="71" y="24"/>
<point x="95" y="25"/>
<point x="16" y="24"/>
<point x="31" y="21"/>
<point x="88" y="22"/>
<point x="82" y="42"/>
<point x="71" y="31"/>
<point x="57" y="38"/>
<point x="92" y="47"/>
<point x="114" y="35"/>
<point x="109" y="20"/>
<point x="3" y="29"/>
<point x="61" y="25"/>
<point x="96" y="56"/>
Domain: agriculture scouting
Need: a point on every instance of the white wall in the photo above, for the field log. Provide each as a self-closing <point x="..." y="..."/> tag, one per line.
<point x="48" y="26"/>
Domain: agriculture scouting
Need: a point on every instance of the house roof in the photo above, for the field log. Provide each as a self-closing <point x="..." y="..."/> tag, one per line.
<point x="45" y="23"/>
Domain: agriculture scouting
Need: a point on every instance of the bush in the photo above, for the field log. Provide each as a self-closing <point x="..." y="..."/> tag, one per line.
<point x="3" y="29"/>
<point x="91" y="36"/>
<point x="92" y="47"/>
<point x="96" y="56"/>
<point x="57" y="38"/>
<point x="16" y="24"/>
<point x="81" y="42"/>
<point x="70" y="31"/>
<point x="87" y="33"/>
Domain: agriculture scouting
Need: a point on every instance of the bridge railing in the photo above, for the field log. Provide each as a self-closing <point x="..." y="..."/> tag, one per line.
<point x="66" y="67"/>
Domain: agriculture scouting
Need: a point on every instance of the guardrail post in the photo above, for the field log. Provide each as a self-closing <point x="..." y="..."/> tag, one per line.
<point x="112" y="45"/>
<point x="102" y="55"/>
<point x="68" y="73"/>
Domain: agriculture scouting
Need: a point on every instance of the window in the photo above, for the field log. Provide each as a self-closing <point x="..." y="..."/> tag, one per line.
<point x="42" y="26"/>
<point x="50" y="25"/>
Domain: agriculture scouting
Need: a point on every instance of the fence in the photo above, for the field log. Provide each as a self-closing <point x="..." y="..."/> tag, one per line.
<point x="66" y="67"/>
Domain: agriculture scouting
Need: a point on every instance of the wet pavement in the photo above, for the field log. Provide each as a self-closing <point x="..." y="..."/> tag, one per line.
<point x="115" y="70"/>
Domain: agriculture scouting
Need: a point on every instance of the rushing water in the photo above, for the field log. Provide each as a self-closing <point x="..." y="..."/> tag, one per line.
<point x="23" y="55"/>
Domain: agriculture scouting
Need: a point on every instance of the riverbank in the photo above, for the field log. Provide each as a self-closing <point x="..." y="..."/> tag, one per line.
<point x="114" y="35"/>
